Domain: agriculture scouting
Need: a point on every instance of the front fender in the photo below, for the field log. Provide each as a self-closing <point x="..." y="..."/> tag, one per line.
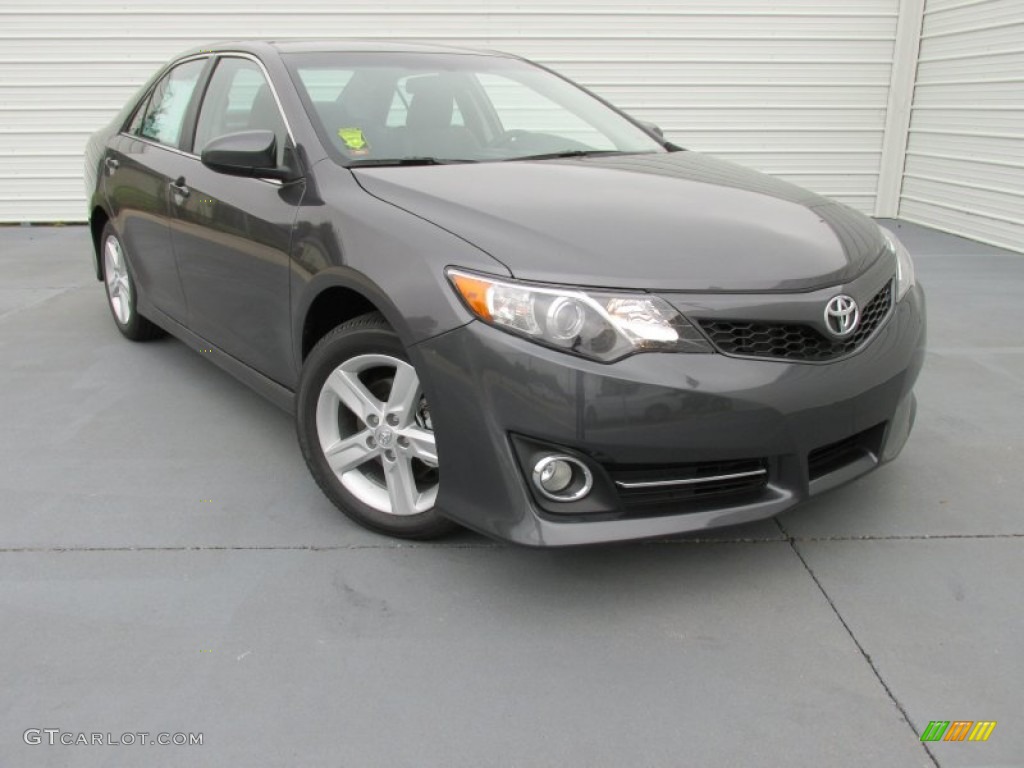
<point x="349" y="239"/>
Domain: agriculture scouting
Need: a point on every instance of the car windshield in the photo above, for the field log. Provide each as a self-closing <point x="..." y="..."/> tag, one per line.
<point x="378" y="108"/>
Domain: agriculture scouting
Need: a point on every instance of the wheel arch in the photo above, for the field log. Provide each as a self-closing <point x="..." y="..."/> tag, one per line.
<point x="335" y="297"/>
<point x="97" y="221"/>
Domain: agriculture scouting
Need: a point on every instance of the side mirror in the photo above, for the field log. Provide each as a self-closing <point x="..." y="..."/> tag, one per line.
<point x="248" y="153"/>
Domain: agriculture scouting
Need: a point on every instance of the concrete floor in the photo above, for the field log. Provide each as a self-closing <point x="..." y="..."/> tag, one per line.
<point x="167" y="565"/>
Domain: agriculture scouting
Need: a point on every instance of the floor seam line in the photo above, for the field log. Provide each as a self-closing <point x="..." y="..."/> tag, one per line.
<point x="860" y="648"/>
<point x="784" y="539"/>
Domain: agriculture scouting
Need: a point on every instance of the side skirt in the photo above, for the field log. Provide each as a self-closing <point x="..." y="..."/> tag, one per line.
<point x="279" y="395"/>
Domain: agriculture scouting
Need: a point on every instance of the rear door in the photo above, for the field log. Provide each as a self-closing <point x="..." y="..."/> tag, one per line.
<point x="231" y="234"/>
<point x="141" y="163"/>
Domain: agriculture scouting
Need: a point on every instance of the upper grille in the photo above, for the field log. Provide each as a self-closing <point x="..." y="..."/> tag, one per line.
<point x="795" y="341"/>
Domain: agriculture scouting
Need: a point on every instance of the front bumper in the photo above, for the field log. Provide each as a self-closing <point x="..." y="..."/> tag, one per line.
<point x="810" y="426"/>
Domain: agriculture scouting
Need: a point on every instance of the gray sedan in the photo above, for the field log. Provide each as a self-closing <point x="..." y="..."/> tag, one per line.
<point x="491" y="298"/>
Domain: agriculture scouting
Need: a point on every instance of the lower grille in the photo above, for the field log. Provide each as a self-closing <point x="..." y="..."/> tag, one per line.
<point x="795" y="341"/>
<point x="664" y="489"/>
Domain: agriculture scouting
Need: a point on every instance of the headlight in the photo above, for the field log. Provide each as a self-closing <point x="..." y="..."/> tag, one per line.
<point x="904" y="266"/>
<point x="599" y="325"/>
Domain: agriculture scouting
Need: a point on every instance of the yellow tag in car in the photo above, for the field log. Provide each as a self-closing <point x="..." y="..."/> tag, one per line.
<point x="353" y="138"/>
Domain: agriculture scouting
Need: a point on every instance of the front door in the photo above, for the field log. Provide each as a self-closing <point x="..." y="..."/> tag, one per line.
<point x="231" y="234"/>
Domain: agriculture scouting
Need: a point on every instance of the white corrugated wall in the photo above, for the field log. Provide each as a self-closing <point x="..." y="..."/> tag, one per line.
<point x="964" y="169"/>
<point x="797" y="88"/>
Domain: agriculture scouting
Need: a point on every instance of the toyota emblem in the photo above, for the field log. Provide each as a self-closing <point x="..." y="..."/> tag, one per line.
<point x="841" y="315"/>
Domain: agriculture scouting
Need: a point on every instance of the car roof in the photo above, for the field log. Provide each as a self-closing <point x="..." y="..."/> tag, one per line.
<point x="337" y="46"/>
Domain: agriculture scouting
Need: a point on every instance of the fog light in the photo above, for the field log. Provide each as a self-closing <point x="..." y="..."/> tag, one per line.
<point x="562" y="478"/>
<point x="555" y="476"/>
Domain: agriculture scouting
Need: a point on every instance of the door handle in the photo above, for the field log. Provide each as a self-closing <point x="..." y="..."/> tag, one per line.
<point x="111" y="163"/>
<point x="178" y="185"/>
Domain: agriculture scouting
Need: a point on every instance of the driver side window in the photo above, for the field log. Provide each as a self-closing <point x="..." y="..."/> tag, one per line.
<point x="239" y="98"/>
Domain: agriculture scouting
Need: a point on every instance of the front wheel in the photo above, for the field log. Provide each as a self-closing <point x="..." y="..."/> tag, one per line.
<point x="366" y="432"/>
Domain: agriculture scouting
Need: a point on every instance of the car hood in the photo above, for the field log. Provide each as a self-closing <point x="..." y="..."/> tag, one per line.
<point x="675" y="221"/>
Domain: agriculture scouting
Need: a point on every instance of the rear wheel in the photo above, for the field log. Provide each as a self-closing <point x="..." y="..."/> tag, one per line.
<point x="366" y="432"/>
<point x="121" y="292"/>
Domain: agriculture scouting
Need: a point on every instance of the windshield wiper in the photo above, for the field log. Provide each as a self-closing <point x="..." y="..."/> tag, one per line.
<point x="382" y="161"/>
<point x="570" y="153"/>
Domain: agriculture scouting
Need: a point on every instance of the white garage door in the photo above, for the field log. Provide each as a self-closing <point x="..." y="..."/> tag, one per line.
<point x="797" y="88"/>
<point x="964" y="169"/>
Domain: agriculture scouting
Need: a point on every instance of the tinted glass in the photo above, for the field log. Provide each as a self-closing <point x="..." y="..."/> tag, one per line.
<point x="387" y="106"/>
<point x="521" y="107"/>
<point x="238" y="99"/>
<point x="165" y="113"/>
<point x="140" y="112"/>
<point x="398" y="115"/>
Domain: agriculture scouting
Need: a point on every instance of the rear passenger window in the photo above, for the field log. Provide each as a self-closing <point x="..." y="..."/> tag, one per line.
<point x="135" y="126"/>
<point x="165" y="113"/>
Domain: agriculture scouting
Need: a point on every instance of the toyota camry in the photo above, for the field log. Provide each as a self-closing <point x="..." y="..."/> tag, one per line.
<point x="490" y="298"/>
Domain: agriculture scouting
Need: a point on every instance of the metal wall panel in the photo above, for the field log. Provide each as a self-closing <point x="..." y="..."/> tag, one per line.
<point x="797" y="88"/>
<point x="964" y="170"/>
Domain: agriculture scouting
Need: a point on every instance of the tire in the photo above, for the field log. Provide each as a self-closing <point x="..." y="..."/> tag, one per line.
<point x="366" y="433"/>
<point x="120" y="286"/>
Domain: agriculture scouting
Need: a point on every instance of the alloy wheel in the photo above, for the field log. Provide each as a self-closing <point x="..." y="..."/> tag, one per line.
<point x="115" y="271"/>
<point x="375" y="431"/>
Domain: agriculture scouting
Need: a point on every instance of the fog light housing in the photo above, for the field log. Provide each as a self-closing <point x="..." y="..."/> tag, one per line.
<point x="562" y="478"/>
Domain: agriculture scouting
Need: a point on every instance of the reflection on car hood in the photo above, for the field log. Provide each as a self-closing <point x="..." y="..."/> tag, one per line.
<point x="677" y="221"/>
